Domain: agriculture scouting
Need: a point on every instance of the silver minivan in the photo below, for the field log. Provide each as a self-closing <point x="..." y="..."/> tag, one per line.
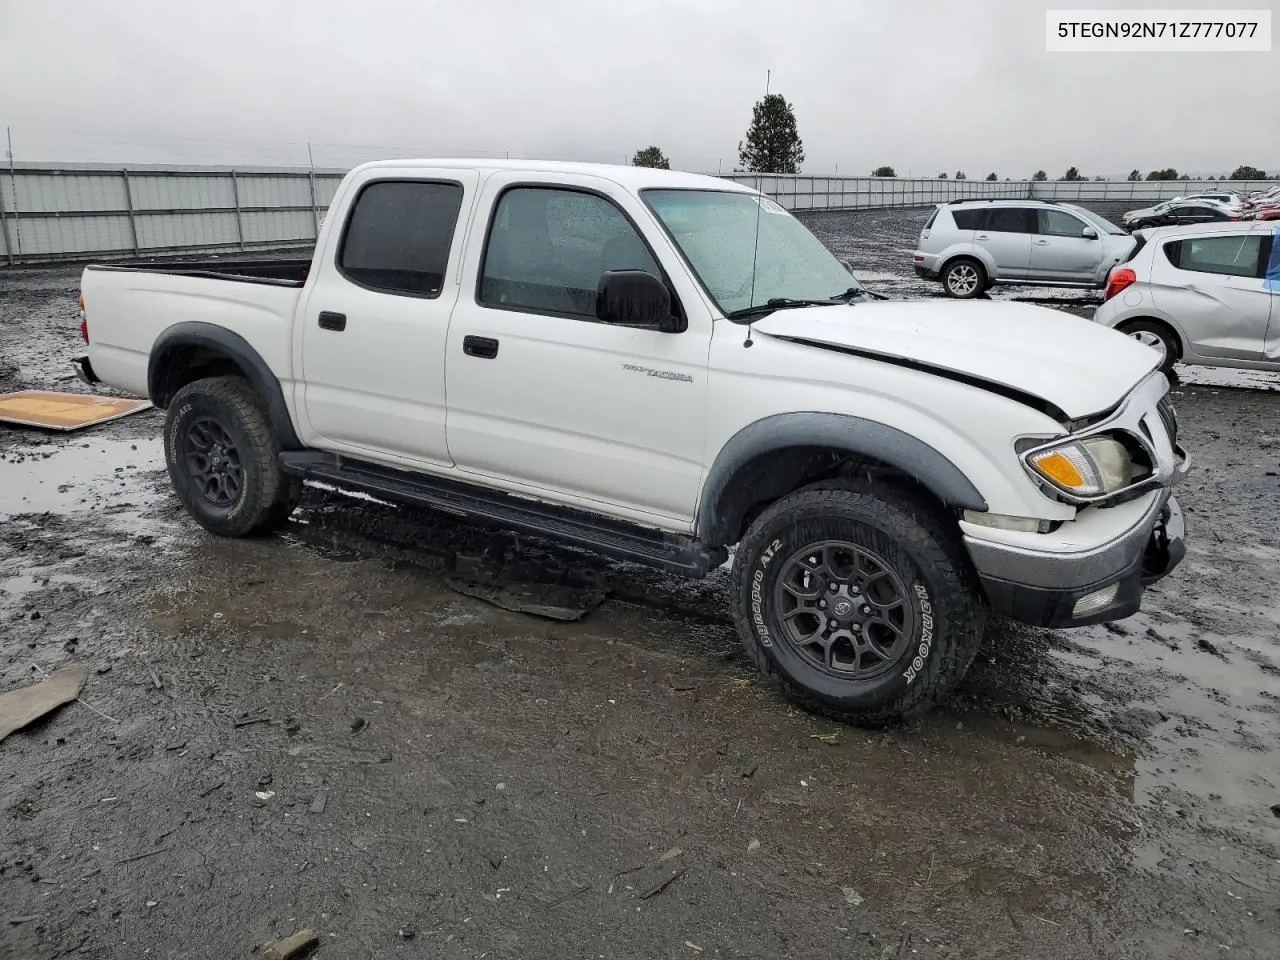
<point x="971" y="245"/>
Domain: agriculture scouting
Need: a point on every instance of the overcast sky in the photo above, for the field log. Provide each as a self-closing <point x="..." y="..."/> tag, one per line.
<point x="923" y="85"/>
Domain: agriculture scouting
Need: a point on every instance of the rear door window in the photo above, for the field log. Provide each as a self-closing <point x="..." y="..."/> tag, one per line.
<point x="398" y="236"/>
<point x="1235" y="255"/>
<point x="1010" y="220"/>
<point x="967" y="219"/>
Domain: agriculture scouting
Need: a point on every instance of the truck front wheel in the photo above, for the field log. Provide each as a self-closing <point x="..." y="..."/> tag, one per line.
<point x="223" y="459"/>
<point x="855" y="602"/>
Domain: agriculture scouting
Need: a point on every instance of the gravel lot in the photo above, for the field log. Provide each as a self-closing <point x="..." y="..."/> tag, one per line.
<point x="314" y="730"/>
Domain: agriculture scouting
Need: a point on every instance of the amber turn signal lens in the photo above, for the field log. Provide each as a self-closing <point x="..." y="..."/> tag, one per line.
<point x="1058" y="468"/>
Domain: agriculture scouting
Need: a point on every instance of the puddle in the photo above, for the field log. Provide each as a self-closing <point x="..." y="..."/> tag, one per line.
<point x="78" y="476"/>
<point x="18" y="585"/>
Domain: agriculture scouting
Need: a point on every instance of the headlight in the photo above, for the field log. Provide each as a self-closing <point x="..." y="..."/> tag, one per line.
<point x="1085" y="468"/>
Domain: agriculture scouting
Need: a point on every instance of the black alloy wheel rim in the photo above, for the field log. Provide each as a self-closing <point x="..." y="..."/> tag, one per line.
<point x="844" y="609"/>
<point x="213" y="462"/>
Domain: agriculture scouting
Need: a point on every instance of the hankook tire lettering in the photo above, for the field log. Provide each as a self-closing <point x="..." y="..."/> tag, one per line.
<point x="926" y="634"/>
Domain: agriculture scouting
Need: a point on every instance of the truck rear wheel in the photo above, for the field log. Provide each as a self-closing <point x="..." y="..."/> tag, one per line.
<point x="856" y="603"/>
<point x="223" y="459"/>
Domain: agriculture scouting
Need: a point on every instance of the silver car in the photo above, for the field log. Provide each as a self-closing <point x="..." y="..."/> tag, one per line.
<point x="970" y="245"/>
<point x="1206" y="294"/>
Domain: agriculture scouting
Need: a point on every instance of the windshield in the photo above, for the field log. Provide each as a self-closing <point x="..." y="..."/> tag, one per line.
<point x="1102" y="223"/>
<point x="1163" y="207"/>
<point x="716" y="232"/>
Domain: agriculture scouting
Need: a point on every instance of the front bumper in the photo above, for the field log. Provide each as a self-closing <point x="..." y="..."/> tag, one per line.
<point x="84" y="370"/>
<point x="1043" y="588"/>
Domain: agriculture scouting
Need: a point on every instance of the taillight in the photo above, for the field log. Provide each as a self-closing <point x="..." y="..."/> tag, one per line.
<point x="1119" y="280"/>
<point x="84" y="321"/>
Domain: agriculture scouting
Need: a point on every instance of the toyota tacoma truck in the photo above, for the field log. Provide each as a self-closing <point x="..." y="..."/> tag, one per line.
<point x="667" y="368"/>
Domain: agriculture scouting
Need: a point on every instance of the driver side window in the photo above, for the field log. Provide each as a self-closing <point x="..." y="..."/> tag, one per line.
<point x="548" y="246"/>
<point x="1058" y="223"/>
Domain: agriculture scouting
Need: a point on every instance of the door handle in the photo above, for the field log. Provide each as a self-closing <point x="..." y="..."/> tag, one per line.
<point x="484" y="347"/>
<point x="332" y="321"/>
<point x="1040" y="243"/>
<point x="982" y="236"/>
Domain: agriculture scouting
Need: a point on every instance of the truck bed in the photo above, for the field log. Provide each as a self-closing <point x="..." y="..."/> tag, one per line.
<point x="290" y="272"/>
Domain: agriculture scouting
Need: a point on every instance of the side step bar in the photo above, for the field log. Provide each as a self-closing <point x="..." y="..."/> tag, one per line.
<point x="613" y="538"/>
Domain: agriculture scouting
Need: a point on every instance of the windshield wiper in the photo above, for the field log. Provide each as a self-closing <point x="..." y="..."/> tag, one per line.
<point x="777" y="303"/>
<point x="850" y="294"/>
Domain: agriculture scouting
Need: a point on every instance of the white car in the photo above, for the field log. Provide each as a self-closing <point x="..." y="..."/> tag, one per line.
<point x="1230" y="200"/>
<point x="657" y="366"/>
<point x="1206" y="294"/>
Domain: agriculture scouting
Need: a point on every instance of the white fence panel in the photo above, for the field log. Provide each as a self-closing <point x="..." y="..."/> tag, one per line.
<point x="95" y="211"/>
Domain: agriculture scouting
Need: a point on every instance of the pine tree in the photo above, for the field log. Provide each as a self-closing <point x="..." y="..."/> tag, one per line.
<point x="651" y="157"/>
<point x="772" y="145"/>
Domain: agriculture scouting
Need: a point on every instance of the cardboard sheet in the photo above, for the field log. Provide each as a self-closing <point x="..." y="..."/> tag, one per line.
<point x="64" y="411"/>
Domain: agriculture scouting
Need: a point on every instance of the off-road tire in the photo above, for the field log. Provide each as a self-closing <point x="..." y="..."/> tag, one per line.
<point x="1156" y="329"/>
<point x="266" y="495"/>
<point x="913" y="537"/>
<point x="953" y="273"/>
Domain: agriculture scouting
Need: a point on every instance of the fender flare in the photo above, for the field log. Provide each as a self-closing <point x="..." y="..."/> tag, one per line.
<point x="717" y="519"/>
<point x="194" y="334"/>
<point x="969" y="251"/>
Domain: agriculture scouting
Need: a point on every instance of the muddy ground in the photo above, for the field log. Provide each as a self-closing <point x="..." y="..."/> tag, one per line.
<point x="314" y="730"/>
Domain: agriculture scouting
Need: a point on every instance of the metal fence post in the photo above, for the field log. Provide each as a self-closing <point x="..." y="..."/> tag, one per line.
<point x="13" y="189"/>
<point x="235" y="199"/>
<point x="128" y="202"/>
<point x="311" y="179"/>
<point x="4" y="231"/>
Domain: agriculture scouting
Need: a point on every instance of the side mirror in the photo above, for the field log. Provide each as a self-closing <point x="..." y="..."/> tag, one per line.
<point x="1089" y="233"/>
<point x="847" y="264"/>
<point x="634" y="298"/>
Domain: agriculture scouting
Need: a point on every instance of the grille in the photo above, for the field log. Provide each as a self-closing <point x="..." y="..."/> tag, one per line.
<point x="1169" y="417"/>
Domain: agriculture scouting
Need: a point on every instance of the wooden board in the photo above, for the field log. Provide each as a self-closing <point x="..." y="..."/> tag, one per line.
<point x="28" y="704"/>
<point x="64" y="411"/>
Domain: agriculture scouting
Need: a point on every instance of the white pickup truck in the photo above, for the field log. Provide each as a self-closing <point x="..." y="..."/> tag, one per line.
<point x="660" y="366"/>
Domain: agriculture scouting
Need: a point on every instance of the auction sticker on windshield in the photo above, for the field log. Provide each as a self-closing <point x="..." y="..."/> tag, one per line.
<point x="768" y="205"/>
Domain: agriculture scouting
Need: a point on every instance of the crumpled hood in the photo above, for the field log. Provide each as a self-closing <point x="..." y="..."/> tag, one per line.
<point x="1079" y="366"/>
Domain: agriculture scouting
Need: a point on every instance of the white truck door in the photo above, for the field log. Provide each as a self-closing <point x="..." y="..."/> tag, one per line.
<point x="546" y="399"/>
<point x="376" y="321"/>
<point x="1213" y="286"/>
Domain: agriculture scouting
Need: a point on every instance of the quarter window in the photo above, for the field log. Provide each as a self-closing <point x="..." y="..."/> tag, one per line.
<point x="967" y="219"/>
<point x="548" y="248"/>
<point x="1238" y="255"/>
<point x="398" y="236"/>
